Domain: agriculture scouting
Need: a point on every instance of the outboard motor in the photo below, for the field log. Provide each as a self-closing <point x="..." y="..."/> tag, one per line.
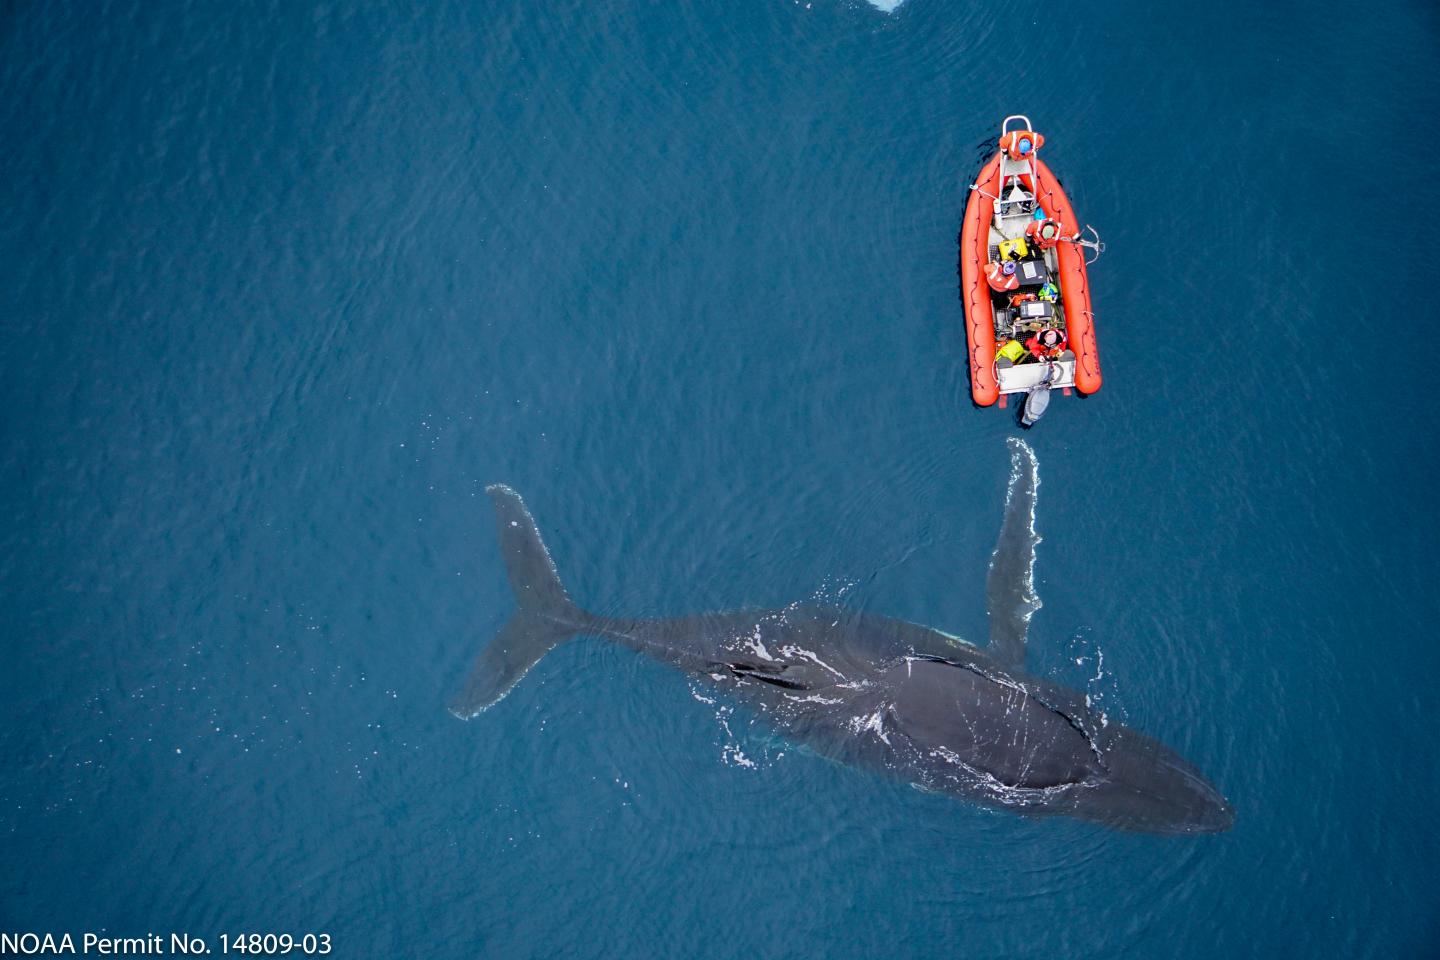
<point x="1038" y="399"/>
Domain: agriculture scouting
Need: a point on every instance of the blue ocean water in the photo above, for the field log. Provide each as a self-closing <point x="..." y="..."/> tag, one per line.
<point x="286" y="285"/>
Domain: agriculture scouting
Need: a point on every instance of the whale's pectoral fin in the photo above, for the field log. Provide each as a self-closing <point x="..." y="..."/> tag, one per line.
<point x="546" y="617"/>
<point x="1010" y="589"/>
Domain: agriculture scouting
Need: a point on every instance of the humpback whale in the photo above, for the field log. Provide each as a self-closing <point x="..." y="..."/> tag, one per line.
<point x="885" y="695"/>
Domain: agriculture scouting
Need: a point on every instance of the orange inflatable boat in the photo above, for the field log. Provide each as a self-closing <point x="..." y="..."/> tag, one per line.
<point x="1023" y="253"/>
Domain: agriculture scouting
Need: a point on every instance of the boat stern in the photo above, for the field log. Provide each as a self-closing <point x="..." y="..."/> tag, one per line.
<point x="1055" y="374"/>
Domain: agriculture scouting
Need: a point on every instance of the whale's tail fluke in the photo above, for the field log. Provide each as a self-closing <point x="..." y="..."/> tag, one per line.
<point x="547" y="616"/>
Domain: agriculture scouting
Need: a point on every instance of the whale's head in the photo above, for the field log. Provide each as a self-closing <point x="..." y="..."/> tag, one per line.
<point x="975" y="731"/>
<point x="1149" y="788"/>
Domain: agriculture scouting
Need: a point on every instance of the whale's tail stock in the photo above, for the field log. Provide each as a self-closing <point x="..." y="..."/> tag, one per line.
<point x="547" y="616"/>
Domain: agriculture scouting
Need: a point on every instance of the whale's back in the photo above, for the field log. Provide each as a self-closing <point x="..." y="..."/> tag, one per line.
<point x="991" y="725"/>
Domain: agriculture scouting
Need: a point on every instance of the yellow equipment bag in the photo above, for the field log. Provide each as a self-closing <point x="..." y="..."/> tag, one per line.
<point x="1013" y="249"/>
<point x="1010" y="350"/>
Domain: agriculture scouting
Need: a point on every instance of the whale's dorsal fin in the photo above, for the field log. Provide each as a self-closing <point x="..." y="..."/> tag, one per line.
<point x="1010" y="588"/>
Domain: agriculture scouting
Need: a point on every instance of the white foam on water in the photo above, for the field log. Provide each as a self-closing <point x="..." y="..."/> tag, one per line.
<point x="1102" y="688"/>
<point x="874" y="723"/>
<point x="757" y="646"/>
<point x="833" y="589"/>
<point x="731" y="752"/>
<point x="814" y="698"/>
<point x="800" y="653"/>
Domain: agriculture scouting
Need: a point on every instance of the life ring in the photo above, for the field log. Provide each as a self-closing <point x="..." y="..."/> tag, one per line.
<point x="1002" y="275"/>
<point x="1021" y="144"/>
<point x="1045" y="233"/>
